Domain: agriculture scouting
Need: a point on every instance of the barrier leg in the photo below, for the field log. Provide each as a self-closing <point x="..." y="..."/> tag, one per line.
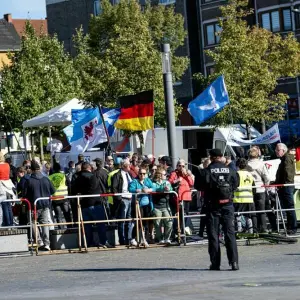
<point x="79" y="224"/>
<point x="281" y="214"/>
<point x="36" y="232"/>
<point x="277" y="211"/>
<point x="137" y="223"/>
<point x="178" y="225"/>
<point x="83" y="230"/>
<point x="141" y="223"/>
<point x="183" y="223"/>
<point x="30" y="231"/>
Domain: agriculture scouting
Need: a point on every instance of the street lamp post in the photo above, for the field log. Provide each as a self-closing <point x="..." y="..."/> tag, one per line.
<point x="169" y="102"/>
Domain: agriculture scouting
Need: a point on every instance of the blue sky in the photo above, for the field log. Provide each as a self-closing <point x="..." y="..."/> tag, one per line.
<point x="23" y="9"/>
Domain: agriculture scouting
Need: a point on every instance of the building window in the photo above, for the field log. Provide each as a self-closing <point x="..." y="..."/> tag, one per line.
<point x="212" y="37"/>
<point x="167" y="2"/>
<point x="210" y="70"/>
<point x="97" y="8"/>
<point x="277" y="20"/>
<point x="287" y="20"/>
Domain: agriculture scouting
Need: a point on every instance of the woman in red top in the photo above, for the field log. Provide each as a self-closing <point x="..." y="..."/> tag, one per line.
<point x="4" y="168"/>
<point x="5" y="182"/>
<point x="184" y="181"/>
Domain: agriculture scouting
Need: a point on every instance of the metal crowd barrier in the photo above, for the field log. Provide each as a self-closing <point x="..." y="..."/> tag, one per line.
<point x="29" y="225"/>
<point x="278" y="209"/>
<point x="80" y="222"/>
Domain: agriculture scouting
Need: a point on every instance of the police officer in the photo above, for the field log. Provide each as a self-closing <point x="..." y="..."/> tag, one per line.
<point x="218" y="183"/>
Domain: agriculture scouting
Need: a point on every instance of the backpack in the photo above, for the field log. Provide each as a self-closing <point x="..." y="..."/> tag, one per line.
<point x="221" y="186"/>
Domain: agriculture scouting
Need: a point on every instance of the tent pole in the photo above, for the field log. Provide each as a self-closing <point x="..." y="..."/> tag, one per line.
<point x="25" y="143"/>
<point x="50" y="140"/>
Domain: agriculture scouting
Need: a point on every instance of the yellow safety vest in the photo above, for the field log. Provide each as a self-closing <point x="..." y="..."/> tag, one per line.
<point x="59" y="182"/>
<point x="244" y="195"/>
<point x="110" y="175"/>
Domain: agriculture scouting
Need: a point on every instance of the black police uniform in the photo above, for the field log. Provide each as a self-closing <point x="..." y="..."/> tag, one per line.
<point x="219" y="211"/>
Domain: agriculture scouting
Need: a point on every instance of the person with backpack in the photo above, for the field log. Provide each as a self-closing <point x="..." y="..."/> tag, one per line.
<point x="218" y="182"/>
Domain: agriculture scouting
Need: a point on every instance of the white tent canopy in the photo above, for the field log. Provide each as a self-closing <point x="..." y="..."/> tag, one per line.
<point x="57" y="116"/>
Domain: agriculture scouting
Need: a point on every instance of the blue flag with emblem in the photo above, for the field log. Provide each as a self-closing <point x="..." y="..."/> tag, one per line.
<point x="87" y="129"/>
<point x="209" y="102"/>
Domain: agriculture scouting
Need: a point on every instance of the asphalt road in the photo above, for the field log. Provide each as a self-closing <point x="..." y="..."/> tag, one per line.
<point x="266" y="272"/>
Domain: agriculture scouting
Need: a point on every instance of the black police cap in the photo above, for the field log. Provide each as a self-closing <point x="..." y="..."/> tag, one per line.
<point x="215" y="153"/>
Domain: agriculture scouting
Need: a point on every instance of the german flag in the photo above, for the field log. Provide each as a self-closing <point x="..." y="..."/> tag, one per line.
<point x="137" y="112"/>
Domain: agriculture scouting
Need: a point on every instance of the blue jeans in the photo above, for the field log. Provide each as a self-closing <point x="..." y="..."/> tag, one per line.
<point x="286" y="196"/>
<point x="7" y="214"/>
<point x="124" y="212"/>
<point x="94" y="213"/>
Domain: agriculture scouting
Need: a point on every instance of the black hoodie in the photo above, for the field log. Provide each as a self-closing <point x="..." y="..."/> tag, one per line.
<point x="38" y="186"/>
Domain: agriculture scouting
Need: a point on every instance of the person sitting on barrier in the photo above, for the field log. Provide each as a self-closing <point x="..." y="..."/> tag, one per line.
<point x="143" y="185"/>
<point x="285" y="175"/>
<point x="93" y="208"/>
<point x="258" y="170"/>
<point x="61" y="207"/>
<point x="119" y="184"/>
<point x="38" y="186"/>
<point x="243" y="198"/>
<point x="162" y="207"/>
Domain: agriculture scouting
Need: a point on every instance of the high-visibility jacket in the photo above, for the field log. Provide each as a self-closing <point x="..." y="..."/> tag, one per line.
<point x="110" y="175"/>
<point x="59" y="182"/>
<point x="244" y="195"/>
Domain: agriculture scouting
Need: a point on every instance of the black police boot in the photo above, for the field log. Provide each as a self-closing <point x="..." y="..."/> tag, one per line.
<point x="235" y="266"/>
<point x="214" y="267"/>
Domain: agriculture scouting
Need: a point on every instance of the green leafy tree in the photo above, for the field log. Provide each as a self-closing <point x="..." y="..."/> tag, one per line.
<point x="41" y="76"/>
<point x="121" y="54"/>
<point x="252" y="60"/>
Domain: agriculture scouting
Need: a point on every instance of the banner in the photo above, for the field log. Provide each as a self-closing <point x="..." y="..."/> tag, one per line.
<point x="269" y="137"/>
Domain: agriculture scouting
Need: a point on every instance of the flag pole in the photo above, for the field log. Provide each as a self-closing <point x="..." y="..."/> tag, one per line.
<point x="106" y="132"/>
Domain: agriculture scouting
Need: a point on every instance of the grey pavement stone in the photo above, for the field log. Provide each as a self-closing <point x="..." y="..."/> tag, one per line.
<point x="267" y="272"/>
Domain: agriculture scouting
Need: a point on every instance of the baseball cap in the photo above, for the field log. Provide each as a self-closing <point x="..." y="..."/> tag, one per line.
<point x="215" y="153"/>
<point x="110" y="158"/>
<point x="81" y="156"/>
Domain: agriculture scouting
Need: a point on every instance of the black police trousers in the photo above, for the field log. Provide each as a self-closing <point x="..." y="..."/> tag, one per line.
<point x="223" y="215"/>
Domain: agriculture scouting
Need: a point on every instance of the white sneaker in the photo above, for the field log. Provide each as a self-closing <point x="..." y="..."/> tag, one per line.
<point x="47" y="248"/>
<point x="145" y="244"/>
<point x="162" y="242"/>
<point x="168" y="242"/>
<point x="133" y="242"/>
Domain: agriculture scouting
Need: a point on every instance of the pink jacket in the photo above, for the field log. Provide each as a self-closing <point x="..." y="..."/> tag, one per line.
<point x="185" y="185"/>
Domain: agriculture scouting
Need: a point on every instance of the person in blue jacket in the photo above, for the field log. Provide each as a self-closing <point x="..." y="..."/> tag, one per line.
<point x="143" y="184"/>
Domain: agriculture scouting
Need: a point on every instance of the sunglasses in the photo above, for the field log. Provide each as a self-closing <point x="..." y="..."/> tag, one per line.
<point x="181" y="166"/>
<point x="142" y="173"/>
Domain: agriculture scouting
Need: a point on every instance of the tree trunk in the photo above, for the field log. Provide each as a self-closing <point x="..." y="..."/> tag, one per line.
<point x="263" y="126"/>
<point x="41" y="146"/>
<point x="7" y="142"/>
<point x="32" y="145"/>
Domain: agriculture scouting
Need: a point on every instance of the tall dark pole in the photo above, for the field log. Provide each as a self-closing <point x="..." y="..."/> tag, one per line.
<point x="169" y="102"/>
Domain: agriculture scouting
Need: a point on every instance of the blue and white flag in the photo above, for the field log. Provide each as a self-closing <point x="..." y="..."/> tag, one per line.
<point x="87" y="129"/>
<point x="209" y="102"/>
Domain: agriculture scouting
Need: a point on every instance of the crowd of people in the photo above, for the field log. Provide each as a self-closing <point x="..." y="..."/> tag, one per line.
<point x="141" y="175"/>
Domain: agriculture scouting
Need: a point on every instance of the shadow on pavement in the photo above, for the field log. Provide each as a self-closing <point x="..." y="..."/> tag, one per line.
<point x="292" y="254"/>
<point x="126" y="270"/>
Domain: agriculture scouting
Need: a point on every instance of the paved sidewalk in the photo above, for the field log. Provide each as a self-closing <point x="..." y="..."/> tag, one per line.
<point x="267" y="272"/>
